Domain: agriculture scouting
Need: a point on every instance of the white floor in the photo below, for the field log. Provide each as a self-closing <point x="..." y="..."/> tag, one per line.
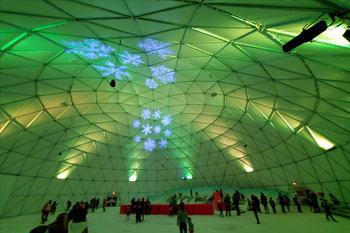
<point x="112" y="222"/>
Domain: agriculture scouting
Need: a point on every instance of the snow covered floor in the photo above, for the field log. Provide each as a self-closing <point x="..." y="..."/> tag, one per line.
<point x="112" y="222"/>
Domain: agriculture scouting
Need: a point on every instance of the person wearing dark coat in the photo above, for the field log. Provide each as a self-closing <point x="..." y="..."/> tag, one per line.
<point x="59" y="226"/>
<point x="263" y="199"/>
<point x="138" y="206"/>
<point x="286" y="202"/>
<point x="296" y="202"/>
<point x="327" y="208"/>
<point x="314" y="203"/>
<point x="227" y="201"/>
<point x="281" y="202"/>
<point x="147" y="206"/>
<point x="235" y="199"/>
<point x="143" y="209"/>
<point x="220" y="209"/>
<point x="255" y="207"/>
<point x="69" y="204"/>
<point x="273" y="205"/>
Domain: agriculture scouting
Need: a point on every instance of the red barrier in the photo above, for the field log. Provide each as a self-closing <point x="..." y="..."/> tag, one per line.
<point x="192" y="209"/>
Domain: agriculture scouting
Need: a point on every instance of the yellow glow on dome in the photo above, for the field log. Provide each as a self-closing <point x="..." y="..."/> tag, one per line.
<point x="322" y="142"/>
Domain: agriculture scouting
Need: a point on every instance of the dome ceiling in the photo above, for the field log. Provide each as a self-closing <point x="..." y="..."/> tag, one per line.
<point x="202" y="91"/>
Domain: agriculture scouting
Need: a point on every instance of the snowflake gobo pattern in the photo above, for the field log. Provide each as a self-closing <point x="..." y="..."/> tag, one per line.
<point x="94" y="49"/>
<point x="110" y="68"/>
<point x="89" y="48"/>
<point x="163" y="73"/>
<point x="157" y="47"/>
<point x="150" y="124"/>
<point x="129" y="58"/>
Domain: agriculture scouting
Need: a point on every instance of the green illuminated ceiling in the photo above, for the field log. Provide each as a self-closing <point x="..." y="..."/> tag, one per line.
<point x="238" y="104"/>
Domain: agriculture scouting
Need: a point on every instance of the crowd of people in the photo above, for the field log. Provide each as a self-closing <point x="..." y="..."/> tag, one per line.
<point x="140" y="207"/>
<point x="74" y="219"/>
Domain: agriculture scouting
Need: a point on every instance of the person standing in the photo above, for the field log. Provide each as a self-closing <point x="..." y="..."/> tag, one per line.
<point x="190" y="225"/>
<point x="45" y="211"/>
<point x="128" y="213"/>
<point x="174" y="204"/>
<point x="263" y="199"/>
<point x="92" y="204"/>
<point x="182" y="219"/>
<point x="69" y="204"/>
<point x="97" y="203"/>
<point x="281" y="202"/>
<point x="191" y="193"/>
<point x="314" y="203"/>
<point x="104" y="205"/>
<point x="286" y="202"/>
<point x="138" y="206"/>
<point x="296" y="202"/>
<point x="236" y="198"/>
<point x="53" y="208"/>
<point x="220" y="209"/>
<point x="327" y="207"/>
<point x="273" y="205"/>
<point x="143" y="209"/>
<point x="255" y="207"/>
<point x="227" y="201"/>
<point x="148" y="206"/>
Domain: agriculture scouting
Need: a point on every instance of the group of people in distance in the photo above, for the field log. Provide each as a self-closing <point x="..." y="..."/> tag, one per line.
<point x="283" y="200"/>
<point x="140" y="207"/>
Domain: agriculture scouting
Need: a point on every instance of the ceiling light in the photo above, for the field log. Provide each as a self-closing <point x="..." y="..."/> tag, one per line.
<point x="322" y="142"/>
<point x="305" y="36"/>
<point x="133" y="177"/>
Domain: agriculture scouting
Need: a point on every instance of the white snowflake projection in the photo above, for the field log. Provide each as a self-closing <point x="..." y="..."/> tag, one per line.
<point x="151" y="83"/>
<point x="150" y="144"/>
<point x="136" y="123"/>
<point x="156" y="47"/>
<point x="155" y="129"/>
<point x="129" y="58"/>
<point x="146" y="114"/>
<point x="137" y="139"/>
<point x="166" y="120"/>
<point x="157" y="114"/>
<point x="163" y="142"/>
<point x="89" y="48"/>
<point x="163" y="73"/>
<point x="167" y="132"/>
<point x="110" y="68"/>
<point x="147" y="129"/>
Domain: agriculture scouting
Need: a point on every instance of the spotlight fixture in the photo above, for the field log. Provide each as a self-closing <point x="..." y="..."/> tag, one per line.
<point x="112" y="83"/>
<point x="346" y="35"/>
<point x="307" y="35"/>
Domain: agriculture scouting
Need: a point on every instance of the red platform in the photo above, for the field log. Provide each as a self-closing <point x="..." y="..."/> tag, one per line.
<point x="192" y="209"/>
